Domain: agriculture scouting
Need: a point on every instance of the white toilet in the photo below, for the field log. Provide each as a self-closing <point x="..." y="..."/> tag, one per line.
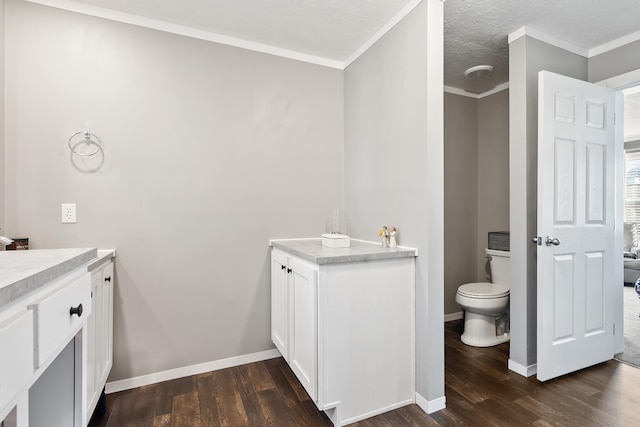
<point x="485" y="304"/>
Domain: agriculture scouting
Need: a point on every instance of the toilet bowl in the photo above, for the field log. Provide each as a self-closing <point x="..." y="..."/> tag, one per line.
<point x="485" y="304"/>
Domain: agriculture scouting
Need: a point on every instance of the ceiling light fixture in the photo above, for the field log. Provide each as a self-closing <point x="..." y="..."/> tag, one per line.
<point x="478" y="71"/>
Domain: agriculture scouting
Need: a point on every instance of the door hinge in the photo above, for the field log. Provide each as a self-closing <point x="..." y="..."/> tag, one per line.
<point x="614" y="329"/>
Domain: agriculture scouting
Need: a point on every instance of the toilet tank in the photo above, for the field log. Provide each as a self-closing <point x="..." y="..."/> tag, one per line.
<point x="500" y="262"/>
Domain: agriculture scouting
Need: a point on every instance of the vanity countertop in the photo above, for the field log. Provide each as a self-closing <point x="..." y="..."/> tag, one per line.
<point x="104" y="256"/>
<point x="360" y="250"/>
<point x="22" y="272"/>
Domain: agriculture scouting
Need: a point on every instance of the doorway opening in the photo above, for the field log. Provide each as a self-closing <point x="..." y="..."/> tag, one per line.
<point x="631" y="233"/>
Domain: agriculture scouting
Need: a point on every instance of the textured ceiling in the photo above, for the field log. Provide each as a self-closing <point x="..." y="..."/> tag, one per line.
<point x="476" y="31"/>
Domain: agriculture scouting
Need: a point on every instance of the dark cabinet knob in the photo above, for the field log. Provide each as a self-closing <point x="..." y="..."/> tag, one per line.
<point x="283" y="267"/>
<point x="289" y="270"/>
<point x="107" y="279"/>
<point x="76" y="310"/>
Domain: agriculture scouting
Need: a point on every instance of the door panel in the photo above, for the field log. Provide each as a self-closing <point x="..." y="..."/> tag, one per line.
<point x="595" y="183"/>
<point x="564" y="181"/>
<point x="576" y="215"/>
<point x="280" y="303"/>
<point x="304" y="334"/>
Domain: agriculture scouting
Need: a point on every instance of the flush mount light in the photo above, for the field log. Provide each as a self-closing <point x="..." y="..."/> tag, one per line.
<point x="478" y="71"/>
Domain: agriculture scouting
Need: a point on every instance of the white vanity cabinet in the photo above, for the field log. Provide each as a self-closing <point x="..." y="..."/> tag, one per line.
<point x="16" y="365"/>
<point x="294" y="320"/>
<point x="100" y="330"/>
<point x="343" y="319"/>
<point x="45" y="300"/>
<point x="53" y="318"/>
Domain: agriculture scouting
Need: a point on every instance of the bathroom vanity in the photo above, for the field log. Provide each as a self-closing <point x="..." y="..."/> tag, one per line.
<point x="49" y="356"/>
<point x="344" y="320"/>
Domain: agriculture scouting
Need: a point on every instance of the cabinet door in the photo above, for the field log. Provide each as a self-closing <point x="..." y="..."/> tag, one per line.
<point x="91" y="341"/>
<point x="106" y="325"/>
<point x="280" y="303"/>
<point x="304" y="329"/>
<point x="100" y="334"/>
<point x="16" y="356"/>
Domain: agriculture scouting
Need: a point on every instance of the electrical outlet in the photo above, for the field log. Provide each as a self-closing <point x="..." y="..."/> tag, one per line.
<point x="69" y="213"/>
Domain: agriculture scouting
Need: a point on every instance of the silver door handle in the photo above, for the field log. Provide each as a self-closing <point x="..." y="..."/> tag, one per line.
<point x="551" y="241"/>
<point x="537" y="240"/>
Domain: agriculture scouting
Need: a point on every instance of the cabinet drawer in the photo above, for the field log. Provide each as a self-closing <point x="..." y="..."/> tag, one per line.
<point x="54" y="322"/>
<point x="16" y="356"/>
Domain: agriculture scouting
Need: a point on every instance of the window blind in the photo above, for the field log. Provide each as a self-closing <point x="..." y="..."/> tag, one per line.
<point x="632" y="186"/>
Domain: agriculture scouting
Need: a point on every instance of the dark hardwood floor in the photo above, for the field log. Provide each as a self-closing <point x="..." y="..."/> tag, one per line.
<point x="480" y="391"/>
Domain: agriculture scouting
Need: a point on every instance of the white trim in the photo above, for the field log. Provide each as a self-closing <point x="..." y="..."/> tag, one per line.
<point x="622" y="81"/>
<point x="499" y="88"/>
<point x="624" y="40"/>
<point x="431" y="406"/>
<point x="525" y="371"/>
<point x="632" y="90"/>
<point x="114" y="15"/>
<point x="543" y="37"/>
<point x="182" y="30"/>
<point x="587" y="53"/>
<point x="462" y="92"/>
<point x="454" y="316"/>
<point x="515" y="35"/>
<point x="382" y="31"/>
<point x="186" y="371"/>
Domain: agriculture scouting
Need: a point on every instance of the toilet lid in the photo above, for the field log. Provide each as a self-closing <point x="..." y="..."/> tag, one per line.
<point x="483" y="290"/>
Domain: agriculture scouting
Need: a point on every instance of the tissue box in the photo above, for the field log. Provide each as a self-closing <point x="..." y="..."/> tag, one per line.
<point x="336" y="241"/>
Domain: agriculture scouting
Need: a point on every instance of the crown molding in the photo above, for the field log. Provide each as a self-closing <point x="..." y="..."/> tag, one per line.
<point x="127" y="18"/>
<point x="462" y="92"/>
<point x="629" y="38"/>
<point x="154" y="24"/>
<point x="382" y="31"/>
<point x="543" y="37"/>
<point x="587" y="53"/>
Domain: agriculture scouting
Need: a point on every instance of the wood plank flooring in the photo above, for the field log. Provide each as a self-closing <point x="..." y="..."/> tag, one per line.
<point x="480" y="391"/>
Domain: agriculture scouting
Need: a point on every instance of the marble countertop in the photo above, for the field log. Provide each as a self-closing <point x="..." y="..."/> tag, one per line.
<point x="104" y="255"/>
<point x="360" y="250"/>
<point x="22" y="272"/>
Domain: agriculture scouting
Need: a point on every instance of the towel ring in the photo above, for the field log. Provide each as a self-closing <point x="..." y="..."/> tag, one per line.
<point x="89" y="138"/>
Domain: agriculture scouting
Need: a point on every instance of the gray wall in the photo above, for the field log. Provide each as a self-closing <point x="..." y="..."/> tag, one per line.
<point x="493" y="172"/>
<point x="209" y="151"/>
<point x="476" y="184"/>
<point x="2" y="27"/>
<point x="527" y="56"/>
<point x="394" y="162"/>
<point x="460" y="195"/>
<point x="615" y="62"/>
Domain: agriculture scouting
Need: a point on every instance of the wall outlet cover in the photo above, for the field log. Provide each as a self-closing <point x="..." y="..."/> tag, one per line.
<point x="69" y="213"/>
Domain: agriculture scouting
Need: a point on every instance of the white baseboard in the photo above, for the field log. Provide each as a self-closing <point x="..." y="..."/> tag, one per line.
<point x="431" y="406"/>
<point x="453" y="316"/>
<point x="525" y="371"/>
<point x="186" y="371"/>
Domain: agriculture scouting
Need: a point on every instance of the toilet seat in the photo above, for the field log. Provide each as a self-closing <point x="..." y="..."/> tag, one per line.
<point x="482" y="290"/>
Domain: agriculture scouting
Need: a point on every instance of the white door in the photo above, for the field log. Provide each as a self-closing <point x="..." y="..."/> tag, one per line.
<point x="576" y="217"/>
